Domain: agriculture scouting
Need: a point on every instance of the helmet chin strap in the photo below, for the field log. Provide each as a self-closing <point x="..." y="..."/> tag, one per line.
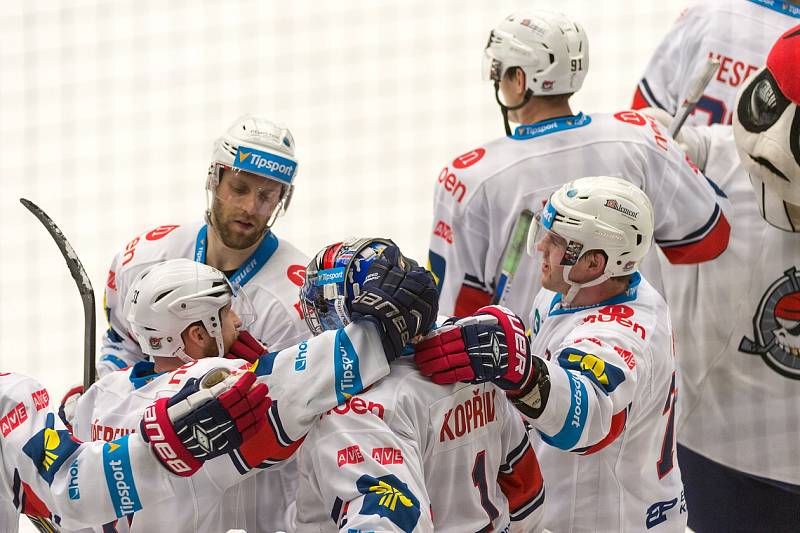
<point x="574" y="288"/>
<point x="504" y="109"/>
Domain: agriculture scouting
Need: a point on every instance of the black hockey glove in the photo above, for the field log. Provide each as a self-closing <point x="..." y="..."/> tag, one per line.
<point x="400" y="297"/>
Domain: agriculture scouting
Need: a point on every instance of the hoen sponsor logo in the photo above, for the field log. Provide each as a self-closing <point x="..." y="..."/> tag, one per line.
<point x="358" y="406"/>
<point x="452" y="184"/>
<point x="617" y="313"/>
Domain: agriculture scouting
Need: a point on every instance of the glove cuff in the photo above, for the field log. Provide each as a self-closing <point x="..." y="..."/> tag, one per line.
<point x="531" y="398"/>
<point x="156" y="429"/>
<point x="519" y="360"/>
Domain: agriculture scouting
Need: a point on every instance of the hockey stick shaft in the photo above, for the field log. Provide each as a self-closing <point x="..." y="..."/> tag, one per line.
<point x="512" y="255"/>
<point x="696" y="88"/>
<point x="84" y="288"/>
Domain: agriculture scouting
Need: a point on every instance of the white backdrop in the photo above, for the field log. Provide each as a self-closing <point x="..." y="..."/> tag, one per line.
<point x="108" y="110"/>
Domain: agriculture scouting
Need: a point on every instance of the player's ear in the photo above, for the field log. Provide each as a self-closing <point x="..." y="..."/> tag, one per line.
<point x="595" y="262"/>
<point x="195" y="335"/>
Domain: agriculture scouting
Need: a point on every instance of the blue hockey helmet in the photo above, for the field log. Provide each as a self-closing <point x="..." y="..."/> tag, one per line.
<point x="334" y="278"/>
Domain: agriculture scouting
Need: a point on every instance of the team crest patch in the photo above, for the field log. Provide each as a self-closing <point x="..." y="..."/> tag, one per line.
<point x="49" y="449"/>
<point x="389" y="497"/>
<point x="776" y="326"/>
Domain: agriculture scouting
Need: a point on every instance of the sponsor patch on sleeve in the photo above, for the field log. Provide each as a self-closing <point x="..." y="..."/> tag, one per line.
<point x="119" y="477"/>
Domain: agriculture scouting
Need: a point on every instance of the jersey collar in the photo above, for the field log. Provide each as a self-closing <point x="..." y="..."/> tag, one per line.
<point x="250" y="267"/>
<point x="545" y="127"/>
<point x="781" y="7"/>
<point x="627" y="296"/>
<point x="143" y="373"/>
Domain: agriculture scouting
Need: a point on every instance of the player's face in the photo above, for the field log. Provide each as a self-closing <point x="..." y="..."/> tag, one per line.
<point x="243" y="204"/>
<point x="552" y="249"/>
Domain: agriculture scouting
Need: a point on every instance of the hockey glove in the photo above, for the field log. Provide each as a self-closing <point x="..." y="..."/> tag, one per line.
<point x="207" y="418"/>
<point x="66" y="410"/>
<point x="694" y="145"/>
<point x="490" y="345"/>
<point x="400" y="297"/>
<point x="246" y="347"/>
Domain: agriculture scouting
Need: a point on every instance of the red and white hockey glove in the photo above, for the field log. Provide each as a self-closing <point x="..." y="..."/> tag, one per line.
<point x="490" y="345"/>
<point x="66" y="409"/>
<point x="246" y="347"/>
<point x="207" y="418"/>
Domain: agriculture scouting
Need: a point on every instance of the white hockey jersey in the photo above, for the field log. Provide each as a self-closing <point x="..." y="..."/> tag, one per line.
<point x="304" y="381"/>
<point x="737" y="336"/>
<point x="738" y="32"/>
<point x="606" y="439"/>
<point x="481" y="193"/>
<point x="408" y="455"/>
<point x="272" y="278"/>
<point x="46" y="474"/>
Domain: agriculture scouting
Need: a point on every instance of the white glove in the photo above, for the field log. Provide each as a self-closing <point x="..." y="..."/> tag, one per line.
<point x="688" y="139"/>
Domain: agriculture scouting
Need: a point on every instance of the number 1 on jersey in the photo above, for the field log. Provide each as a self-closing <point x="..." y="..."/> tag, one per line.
<point x="479" y="480"/>
<point x="667" y="459"/>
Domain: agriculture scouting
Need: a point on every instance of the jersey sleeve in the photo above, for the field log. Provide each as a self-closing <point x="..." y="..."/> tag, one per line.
<point x="689" y="209"/>
<point x="74" y="484"/>
<point x="117" y="349"/>
<point x="311" y="378"/>
<point x="592" y="385"/>
<point x="667" y="73"/>
<point x="366" y="476"/>
<point x="457" y="255"/>
<point x="520" y="477"/>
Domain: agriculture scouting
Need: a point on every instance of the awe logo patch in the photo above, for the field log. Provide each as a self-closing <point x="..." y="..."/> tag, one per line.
<point x="776" y="326"/>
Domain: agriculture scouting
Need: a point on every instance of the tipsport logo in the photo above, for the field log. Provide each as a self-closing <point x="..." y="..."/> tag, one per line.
<point x="330" y="275"/>
<point x="265" y="164"/>
<point x="389" y="497"/>
<point x="119" y="477"/>
<point x="49" y="449"/>
<point x="548" y="216"/>
<point x="346" y="368"/>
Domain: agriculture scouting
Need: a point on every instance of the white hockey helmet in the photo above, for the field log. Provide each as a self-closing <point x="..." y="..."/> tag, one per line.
<point x="261" y="147"/>
<point x="551" y="49"/>
<point x="766" y="126"/>
<point x="597" y="213"/>
<point x="168" y="297"/>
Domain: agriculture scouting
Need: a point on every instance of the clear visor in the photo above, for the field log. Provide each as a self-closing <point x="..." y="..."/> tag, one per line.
<point x="242" y="305"/>
<point x="254" y="194"/>
<point x="539" y="233"/>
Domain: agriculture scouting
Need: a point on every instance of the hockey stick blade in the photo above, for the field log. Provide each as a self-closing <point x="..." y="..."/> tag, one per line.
<point x="84" y="287"/>
<point x="696" y="88"/>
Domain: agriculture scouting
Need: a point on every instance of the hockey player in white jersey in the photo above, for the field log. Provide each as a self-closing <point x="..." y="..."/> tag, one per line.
<point x="537" y="61"/>
<point x="182" y="310"/>
<point x="249" y="184"/>
<point x="737" y="32"/>
<point x="406" y="454"/>
<point x="737" y="318"/>
<point x="600" y="386"/>
<point x="58" y="481"/>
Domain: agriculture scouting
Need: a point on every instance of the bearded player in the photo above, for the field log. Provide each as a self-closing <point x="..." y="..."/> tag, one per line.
<point x="249" y="184"/>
